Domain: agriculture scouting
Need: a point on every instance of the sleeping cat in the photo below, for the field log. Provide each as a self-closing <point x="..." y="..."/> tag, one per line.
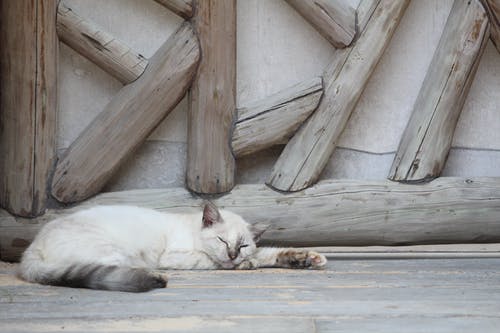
<point x="119" y="247"/>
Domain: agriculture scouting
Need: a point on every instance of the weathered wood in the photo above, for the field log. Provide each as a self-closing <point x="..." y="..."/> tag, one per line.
<point x="128" y="119"/>
<point x="364" y="13"/>
<point x="100" y="47"/>
<point x="347" y="212"/>
<point x="28" y="103"/>
<point x="334" y="19"/>
<point x="493" y="9"/>
<point x="307" y="153"/>
<point x="376" y="296"/>
<point x="212" y="100"/>
<point x="183" y="8"/>
<point x="426" y="141"/>
<point x="274" y="119"/>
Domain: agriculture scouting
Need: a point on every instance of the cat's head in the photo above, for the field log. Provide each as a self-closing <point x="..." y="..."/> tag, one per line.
<point x="227" y="238"/>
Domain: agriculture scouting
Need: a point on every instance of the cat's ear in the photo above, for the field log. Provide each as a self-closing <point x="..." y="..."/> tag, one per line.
<point x="257" y="230"/>
<point x="211" y="215"/>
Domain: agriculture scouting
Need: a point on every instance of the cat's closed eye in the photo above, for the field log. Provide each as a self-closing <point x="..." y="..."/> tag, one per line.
<point x="227" y="244"/>
<point x="223" y="241"/>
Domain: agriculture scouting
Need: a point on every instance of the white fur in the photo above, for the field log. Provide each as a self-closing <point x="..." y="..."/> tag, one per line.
<point x="134" y="237"/>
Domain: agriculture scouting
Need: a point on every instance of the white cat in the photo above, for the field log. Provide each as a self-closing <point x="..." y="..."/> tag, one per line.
<point x="118" y="247"/>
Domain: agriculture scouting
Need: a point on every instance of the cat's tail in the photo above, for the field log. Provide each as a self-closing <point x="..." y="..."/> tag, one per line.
<point x="92" y="276"/>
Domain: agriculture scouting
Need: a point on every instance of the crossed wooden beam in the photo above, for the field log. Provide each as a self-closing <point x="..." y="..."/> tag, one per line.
<point x="201" y="57"/>
<point x="154" y="86"/>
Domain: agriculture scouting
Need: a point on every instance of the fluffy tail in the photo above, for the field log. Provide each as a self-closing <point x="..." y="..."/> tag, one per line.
<point x="92" y="276"/>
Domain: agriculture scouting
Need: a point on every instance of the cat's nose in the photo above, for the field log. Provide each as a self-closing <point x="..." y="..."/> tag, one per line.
<point x="232" y="254"/>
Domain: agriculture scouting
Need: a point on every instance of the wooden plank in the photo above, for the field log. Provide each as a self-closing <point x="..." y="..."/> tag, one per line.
<point x="128" y="119"/>
<point x="342" y="212"/>
<point x="335" y="20"/>
<point x="274" y="119"/>
<point x="212" y="100"/>
<point x="28" y="103"/>
<point x="183" y="8"/>
<point x="99" y="46"/>
<point x="347" y="296"/>
<point x="493" y="9"/>
<point x="426" y="141"/>
<point x="308" y="152"/>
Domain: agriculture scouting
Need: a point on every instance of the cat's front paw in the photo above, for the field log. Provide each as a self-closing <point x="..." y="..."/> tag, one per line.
<point x="300" y="259"/>
<point x="247" y="265"/>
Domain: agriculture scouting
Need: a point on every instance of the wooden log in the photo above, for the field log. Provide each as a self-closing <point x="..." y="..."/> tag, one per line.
<point x="212" y="100"/>
<point x="364" y="13"/>
<point x="493" y="9"/>
<point x="274" y="119"/>
<point x="28" y="103"/>
<point x="334" y="19"/>
<point x="128" y="119"/>
<point x="99" y="46"/>
<point x="334" y="212"/>
<point x="183" y="8"/>
<point x="307" y="153"/>
<point x="426" y="141"/>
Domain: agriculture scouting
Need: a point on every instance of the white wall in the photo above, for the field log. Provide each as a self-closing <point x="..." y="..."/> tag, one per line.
<point x="277" y="48"/>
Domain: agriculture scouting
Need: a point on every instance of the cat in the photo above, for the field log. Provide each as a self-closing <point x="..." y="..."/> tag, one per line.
<point x="119" y="248"/>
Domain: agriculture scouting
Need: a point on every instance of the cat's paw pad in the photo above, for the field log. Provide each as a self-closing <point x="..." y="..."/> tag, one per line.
<point x="301" y="259"/>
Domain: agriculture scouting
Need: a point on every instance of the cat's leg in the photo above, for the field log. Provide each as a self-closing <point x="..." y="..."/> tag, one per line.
<point x="186" y="259"/>
<point x="284" y="258"/>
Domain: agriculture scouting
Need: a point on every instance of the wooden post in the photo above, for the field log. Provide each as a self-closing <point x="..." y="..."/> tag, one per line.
<point x="100" y="47"/>
<point x="183" y="8"/>
<point x="334" y="212"/>
<point x="28" y="103"/>
<point x="427" y="139"/>
<point x="307" y="153"/>
<point x="274" y="119"/>
<point x="493" y="9"/>
<point x="212" y="99"/>
<point x="128" y="119"/>
<point x="334" y="19"/>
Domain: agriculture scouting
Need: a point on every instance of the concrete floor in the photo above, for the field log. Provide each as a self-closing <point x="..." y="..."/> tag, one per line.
<point x="350" y="295"/>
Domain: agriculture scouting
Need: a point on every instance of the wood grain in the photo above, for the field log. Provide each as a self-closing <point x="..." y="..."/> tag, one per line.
<point x="99" y="46"/>
<point x="426" y="141"/>
<point x="331" y="213"/>
<point x="493" y="9"/>
<point x="376" y="296"/>
<point x="307" y="153"/>
<point x="183" y="8"/>
<point x="128" y="119"/>
<point x="275" y="119"/>
<point x="28" y="103"/>
<point x="334" y="19"/>
<point x="212" y="100"/>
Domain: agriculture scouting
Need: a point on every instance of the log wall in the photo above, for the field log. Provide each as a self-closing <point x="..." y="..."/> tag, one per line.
<point x="99" y="46"/>
<point x="128" y="119"/>
<point x="306" y="154"/>
<point x="426" y="141"/>
<point x="342" y="212"/>
<point x="212" y="99"/>
<point x="28" y="103"/>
